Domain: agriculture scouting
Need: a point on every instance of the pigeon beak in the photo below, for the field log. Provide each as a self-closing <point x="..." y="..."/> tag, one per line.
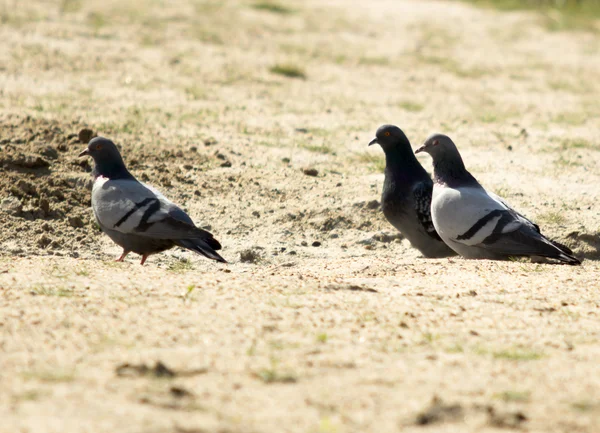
<point x="84" y="153"/>
<point x="373" y="141"/>
<point x="420" y="149"/>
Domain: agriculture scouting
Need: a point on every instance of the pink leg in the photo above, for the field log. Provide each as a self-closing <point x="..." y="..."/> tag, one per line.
<point x="144" y="257"/>
<point x="120" y="259"/>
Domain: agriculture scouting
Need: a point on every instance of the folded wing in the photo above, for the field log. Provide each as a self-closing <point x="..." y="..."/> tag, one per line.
<point x="494" y="226"/>
<point x="131" y="207"/>
<point x="422" y="198"/>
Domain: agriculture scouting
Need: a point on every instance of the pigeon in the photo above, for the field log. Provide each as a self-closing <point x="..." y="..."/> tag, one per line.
<point x="137" y="217"/>
<point x="406" y="195"/>
<point x="478" y="224"/>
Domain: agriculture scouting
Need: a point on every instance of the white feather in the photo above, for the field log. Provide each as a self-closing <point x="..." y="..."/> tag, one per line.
<point x="456" y="210"/>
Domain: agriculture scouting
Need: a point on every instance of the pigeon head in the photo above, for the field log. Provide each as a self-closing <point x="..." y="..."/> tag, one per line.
<point x="448" y="166"/>
<point x="390" y="137"/>
<point x="439" y="146"/>
<point x="107" y="159"/>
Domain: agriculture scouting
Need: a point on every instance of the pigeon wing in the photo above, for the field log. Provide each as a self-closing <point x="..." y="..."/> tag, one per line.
<point x="131" y="207"/>
<point x="422" y="200"/>
<point x="517" y="215"/>
<point x="526" y="241"/>
<point x="469" y="215"/>
<point x="503" y="231"/>
<point x="533" y="225"/>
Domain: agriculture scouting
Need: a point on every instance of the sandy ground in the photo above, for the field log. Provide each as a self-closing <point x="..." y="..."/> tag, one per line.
<point x="325" y="320"/>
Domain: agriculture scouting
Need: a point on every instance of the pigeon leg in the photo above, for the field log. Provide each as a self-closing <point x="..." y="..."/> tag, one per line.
<point x="120" y="259"/>
<point x="144" y="257"/>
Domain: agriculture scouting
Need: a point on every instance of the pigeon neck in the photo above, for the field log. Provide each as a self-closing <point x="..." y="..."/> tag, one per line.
<point x="401" y="157"/>
<point x="452" y="172"/>
<point x="112" y="170"/>
<point x="402" y="163"/>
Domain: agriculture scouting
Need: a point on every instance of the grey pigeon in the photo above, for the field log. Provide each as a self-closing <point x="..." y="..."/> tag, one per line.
<point x="406" y="195"/>
<point x="136" y="216"/>
<point x="477" y="224"/>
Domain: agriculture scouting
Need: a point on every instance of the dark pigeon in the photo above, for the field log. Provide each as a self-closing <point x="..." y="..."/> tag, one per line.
<point x="478" y="224"/>
<point x="406" y="196"/>
<point x="137" y="217"/>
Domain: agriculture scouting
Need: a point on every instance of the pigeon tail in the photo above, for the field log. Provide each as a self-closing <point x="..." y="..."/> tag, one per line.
<point x="565" y="249"/>
<point x="206" y="247"/>
<point x="565" y="254"/>
<point x="522" y="243"/>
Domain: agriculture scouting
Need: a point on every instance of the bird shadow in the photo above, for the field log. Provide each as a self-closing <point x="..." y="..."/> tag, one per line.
<point x="588" y="244"/>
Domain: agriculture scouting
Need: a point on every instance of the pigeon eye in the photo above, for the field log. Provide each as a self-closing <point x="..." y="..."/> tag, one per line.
<point x="386" y="133"/>
<point x="436" y="142"/>
<point x="98" y="146"/>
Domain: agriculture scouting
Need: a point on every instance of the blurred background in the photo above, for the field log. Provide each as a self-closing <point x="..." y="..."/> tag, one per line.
<point x="255" y="115"/>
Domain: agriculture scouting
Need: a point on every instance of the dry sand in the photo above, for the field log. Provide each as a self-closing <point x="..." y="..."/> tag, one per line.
<point x="355" y="334"/>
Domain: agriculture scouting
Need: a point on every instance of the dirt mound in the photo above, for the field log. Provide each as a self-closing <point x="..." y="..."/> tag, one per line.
<point x="45" y="201"/>
<point x="44" y="188"/>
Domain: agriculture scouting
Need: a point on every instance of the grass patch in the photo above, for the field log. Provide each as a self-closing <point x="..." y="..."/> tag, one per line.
<point x="455" y="348"/>
<point x="272" y="7"/>
<point x="453" y="67"/>
<point x="374" y="162"/>
<point x="208" y="36"/>
<point x="514" y="396"/>
<point x="196" y="93"/>
<point x="132" y="121"/>
<point x="557" y="15"/>
<point x="288" y="70"/>
<point x="562" y="161"/>
<point x="182" y="265"/>
<point x="568" y="86"/>
<point x="17" y="16"/>
<point x="97" y="21"/>
<point x="375" y="61"/>
<point x="552" y="217"/>
<point x="61" y="292"/>
<point x="70" y="6"/>
<point x="319" y="132"/>
<point x="324" y="149"/>
<point x="488" y="117"/>
<point x="31" y="395"/>
<point x="56" y="376"/>
<point x="188" y="295"/>
<point x="578" y="143"/>
<point x="585" y="406"/>
<point x="505" y="191"/>
<point x="327" y="426"/>
<point x="583" y="7"/>
<point x="430" y="338"/>
<point x="413" y="107"/>
<point x="322" y="338"/>
<point x="269" y="375"/>
<point x="570" y="118"/>
<point x="517" y="355"/>
<point x="273" y="375"/>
